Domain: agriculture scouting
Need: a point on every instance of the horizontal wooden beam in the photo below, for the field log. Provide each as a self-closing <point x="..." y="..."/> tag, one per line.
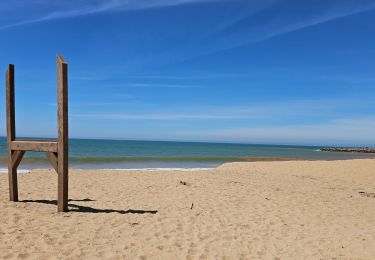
<point x="35" y="145"/>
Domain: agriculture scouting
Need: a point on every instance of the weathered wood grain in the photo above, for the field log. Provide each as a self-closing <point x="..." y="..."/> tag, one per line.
<point x="16" y="158"/>
<point x="52" y="157"/>
<point x="62" y="122"/>
<point x="11" y="132"/>
<point x="36" y="146"/>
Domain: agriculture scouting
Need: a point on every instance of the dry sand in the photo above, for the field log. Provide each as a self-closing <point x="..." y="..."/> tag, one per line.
<point x="257" y="210"/>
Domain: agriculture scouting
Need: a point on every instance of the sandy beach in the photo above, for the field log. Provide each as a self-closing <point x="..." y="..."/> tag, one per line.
<point x="254" y="210"/>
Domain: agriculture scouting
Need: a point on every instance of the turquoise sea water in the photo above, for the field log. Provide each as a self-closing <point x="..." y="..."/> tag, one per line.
<point x="113" y="154"/>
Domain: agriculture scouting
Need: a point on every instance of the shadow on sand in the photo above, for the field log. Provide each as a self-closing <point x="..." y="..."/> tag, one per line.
<point x="86" y="209"/>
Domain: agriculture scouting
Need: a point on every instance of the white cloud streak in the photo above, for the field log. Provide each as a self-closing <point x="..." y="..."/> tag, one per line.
<point x="337" y="13"/>
<point x="350" y="131"/>
<point x="166" y="117"/>
<point x="86" y="8"/>
<point x="336" y="131"/>
<point x="169" y="86"/>
<point x="275" y="24"/>
<point x="270" y="111"/>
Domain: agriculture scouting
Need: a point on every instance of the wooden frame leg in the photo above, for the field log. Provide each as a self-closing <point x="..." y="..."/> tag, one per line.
<point x="62" y="202"/>
<point x="62" y="122"/>
<point x="11" y="133"/>
<point x="14" y="160"/>
<point x="13" y="184"/>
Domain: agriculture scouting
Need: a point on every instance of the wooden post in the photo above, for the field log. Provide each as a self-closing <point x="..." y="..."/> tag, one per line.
<point x="11" y="133"/>
<point x="62" y="122"/>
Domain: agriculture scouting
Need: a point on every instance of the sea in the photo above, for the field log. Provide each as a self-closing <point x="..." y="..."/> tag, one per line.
<point x="155" y="155"/>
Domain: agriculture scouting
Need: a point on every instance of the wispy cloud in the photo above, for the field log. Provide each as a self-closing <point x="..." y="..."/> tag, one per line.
<point x="282" y="24"/>
<point x="164" y="117"/>
<point x="187" y="76"/>
<point x="268" y="23"/>
<point x="176" y="116"/>
<point x="264" y="113"/>
<point x="149" y="85"/>
<point x="347" y="131"/>
<point x="86" y="7"/>
<point x="180" y="114"/>
<point x="337" y="12"/>
<point x="83" y="9"/>
<point x="334" y="131"/>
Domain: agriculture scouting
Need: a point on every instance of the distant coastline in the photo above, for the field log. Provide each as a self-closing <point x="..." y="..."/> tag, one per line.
<point x="348" y="150"/>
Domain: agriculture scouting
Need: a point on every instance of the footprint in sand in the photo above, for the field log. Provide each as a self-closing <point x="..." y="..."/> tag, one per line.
<point x="367" y="194"/>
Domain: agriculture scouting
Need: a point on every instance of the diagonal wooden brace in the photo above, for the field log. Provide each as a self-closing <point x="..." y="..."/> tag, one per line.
<point x="16" y="158"/>
<point x="52" y="157"/>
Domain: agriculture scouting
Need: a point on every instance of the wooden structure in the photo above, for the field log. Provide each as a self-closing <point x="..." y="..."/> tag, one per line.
<point x="56" y="150"/>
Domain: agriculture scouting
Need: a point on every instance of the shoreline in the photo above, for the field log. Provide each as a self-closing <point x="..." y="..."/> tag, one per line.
<point x="182" y="169"/>
<point x="4" y="169"/>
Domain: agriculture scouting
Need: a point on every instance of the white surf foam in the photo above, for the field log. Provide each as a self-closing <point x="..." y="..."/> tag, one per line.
<point x="5" y="170"/>
<point x="157" y="169"/>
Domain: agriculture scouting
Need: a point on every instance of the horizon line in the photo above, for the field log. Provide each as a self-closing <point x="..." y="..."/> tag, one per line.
<point x="195" y="141"/>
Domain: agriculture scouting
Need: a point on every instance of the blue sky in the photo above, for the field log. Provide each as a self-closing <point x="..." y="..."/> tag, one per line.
<point x="253" y="71"/>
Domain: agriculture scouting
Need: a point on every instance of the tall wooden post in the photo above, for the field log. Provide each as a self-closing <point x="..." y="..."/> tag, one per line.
<point x="11" y="133"/>
<point x="62" y="122"/>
